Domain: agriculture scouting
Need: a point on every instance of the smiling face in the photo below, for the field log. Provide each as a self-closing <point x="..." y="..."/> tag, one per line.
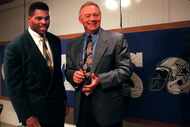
<point x="90" y="17"/>
<point x="39" y="21"/>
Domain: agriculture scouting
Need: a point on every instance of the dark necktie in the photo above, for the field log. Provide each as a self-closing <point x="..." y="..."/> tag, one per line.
<point x="46" y="54"/>
<point x="88" y="61"/>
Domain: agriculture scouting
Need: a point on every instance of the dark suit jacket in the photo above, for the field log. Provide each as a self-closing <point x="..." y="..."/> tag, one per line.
<point x="32" y="89"/>
<point x="112" y="64"/>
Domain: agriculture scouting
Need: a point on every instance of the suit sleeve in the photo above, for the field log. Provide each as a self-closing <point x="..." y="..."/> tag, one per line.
<point x="14" y="82"/>
<point x="122" y="68"/>
<point x="70" y="66"/>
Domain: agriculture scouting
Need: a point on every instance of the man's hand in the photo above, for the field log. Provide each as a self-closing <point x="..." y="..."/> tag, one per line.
<point x="78" y="76"/>
<point x="32" y="122"/>
<point x="95" y="80"/>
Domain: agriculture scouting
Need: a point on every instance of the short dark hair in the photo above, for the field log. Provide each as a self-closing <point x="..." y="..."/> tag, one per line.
<point x="37" y="5"/>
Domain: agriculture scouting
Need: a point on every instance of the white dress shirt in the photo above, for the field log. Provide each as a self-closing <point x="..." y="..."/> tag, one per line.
<point x="38" y="41"/>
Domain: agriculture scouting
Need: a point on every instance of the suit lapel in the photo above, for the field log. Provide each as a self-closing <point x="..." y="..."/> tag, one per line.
<point x="35" y="52"/>
<point x="52" y="48"/>
<point x="101" y="47"/>
<point x="79" y="51"/>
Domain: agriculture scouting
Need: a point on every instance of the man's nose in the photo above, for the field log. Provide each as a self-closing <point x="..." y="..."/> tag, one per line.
<point x="44" y="21"/>
<point x="92" y="18"/>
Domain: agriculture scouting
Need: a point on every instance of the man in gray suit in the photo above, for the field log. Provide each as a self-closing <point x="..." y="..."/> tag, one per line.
<point x="98" y="83"/>
<point x="33" y="73"/>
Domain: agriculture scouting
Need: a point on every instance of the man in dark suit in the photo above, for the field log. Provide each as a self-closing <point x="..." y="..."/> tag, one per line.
<point x="98" y="83"/>
<point x="33" y="73"/>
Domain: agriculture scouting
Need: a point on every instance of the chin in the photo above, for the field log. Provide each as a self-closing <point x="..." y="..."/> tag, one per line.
<point x="43" y="32"/>
<point x="93" y="30"/>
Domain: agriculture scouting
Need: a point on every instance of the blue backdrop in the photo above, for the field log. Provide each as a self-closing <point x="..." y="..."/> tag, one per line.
<point x="157" y="45"/>
<point x="154" y="46"/>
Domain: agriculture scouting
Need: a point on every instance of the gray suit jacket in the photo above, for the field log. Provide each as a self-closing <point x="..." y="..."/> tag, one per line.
<point x="112" y="64"/>
<point x="33" y="89"/>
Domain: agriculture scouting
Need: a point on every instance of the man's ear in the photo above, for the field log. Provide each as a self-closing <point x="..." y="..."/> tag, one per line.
<point x="80" y="19"/>
<point x="29" y="18"/>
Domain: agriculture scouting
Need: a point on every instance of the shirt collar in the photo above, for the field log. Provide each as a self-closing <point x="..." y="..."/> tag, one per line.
<point x="94" y="36"/>
<point x="33" y="33"/>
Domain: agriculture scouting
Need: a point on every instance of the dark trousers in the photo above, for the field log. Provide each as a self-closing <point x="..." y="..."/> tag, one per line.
<point x="86" y="118"/>
<point x="53" y="125"/>
<point x="61" y="124"/>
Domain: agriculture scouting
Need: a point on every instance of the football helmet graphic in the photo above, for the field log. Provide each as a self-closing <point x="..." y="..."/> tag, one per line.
<point x="134" y="87"/>
<point x="137" y="88"/>
<point x="172" y="73"/>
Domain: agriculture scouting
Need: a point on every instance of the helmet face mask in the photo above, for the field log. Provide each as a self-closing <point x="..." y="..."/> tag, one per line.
<point x="160" y="78"/>
<point x="172" y="73"/>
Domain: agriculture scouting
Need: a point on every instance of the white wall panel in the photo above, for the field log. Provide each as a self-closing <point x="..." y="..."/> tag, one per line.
<point x="146" y="12"/>
<point x="179" y="10"/>
<point x="64" y="15"/>
<point x="11" y="23"/>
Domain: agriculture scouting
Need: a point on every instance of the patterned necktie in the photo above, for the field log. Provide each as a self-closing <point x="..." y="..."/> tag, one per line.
<point x="88" y="61"/>
<point x="46" y="54"/>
